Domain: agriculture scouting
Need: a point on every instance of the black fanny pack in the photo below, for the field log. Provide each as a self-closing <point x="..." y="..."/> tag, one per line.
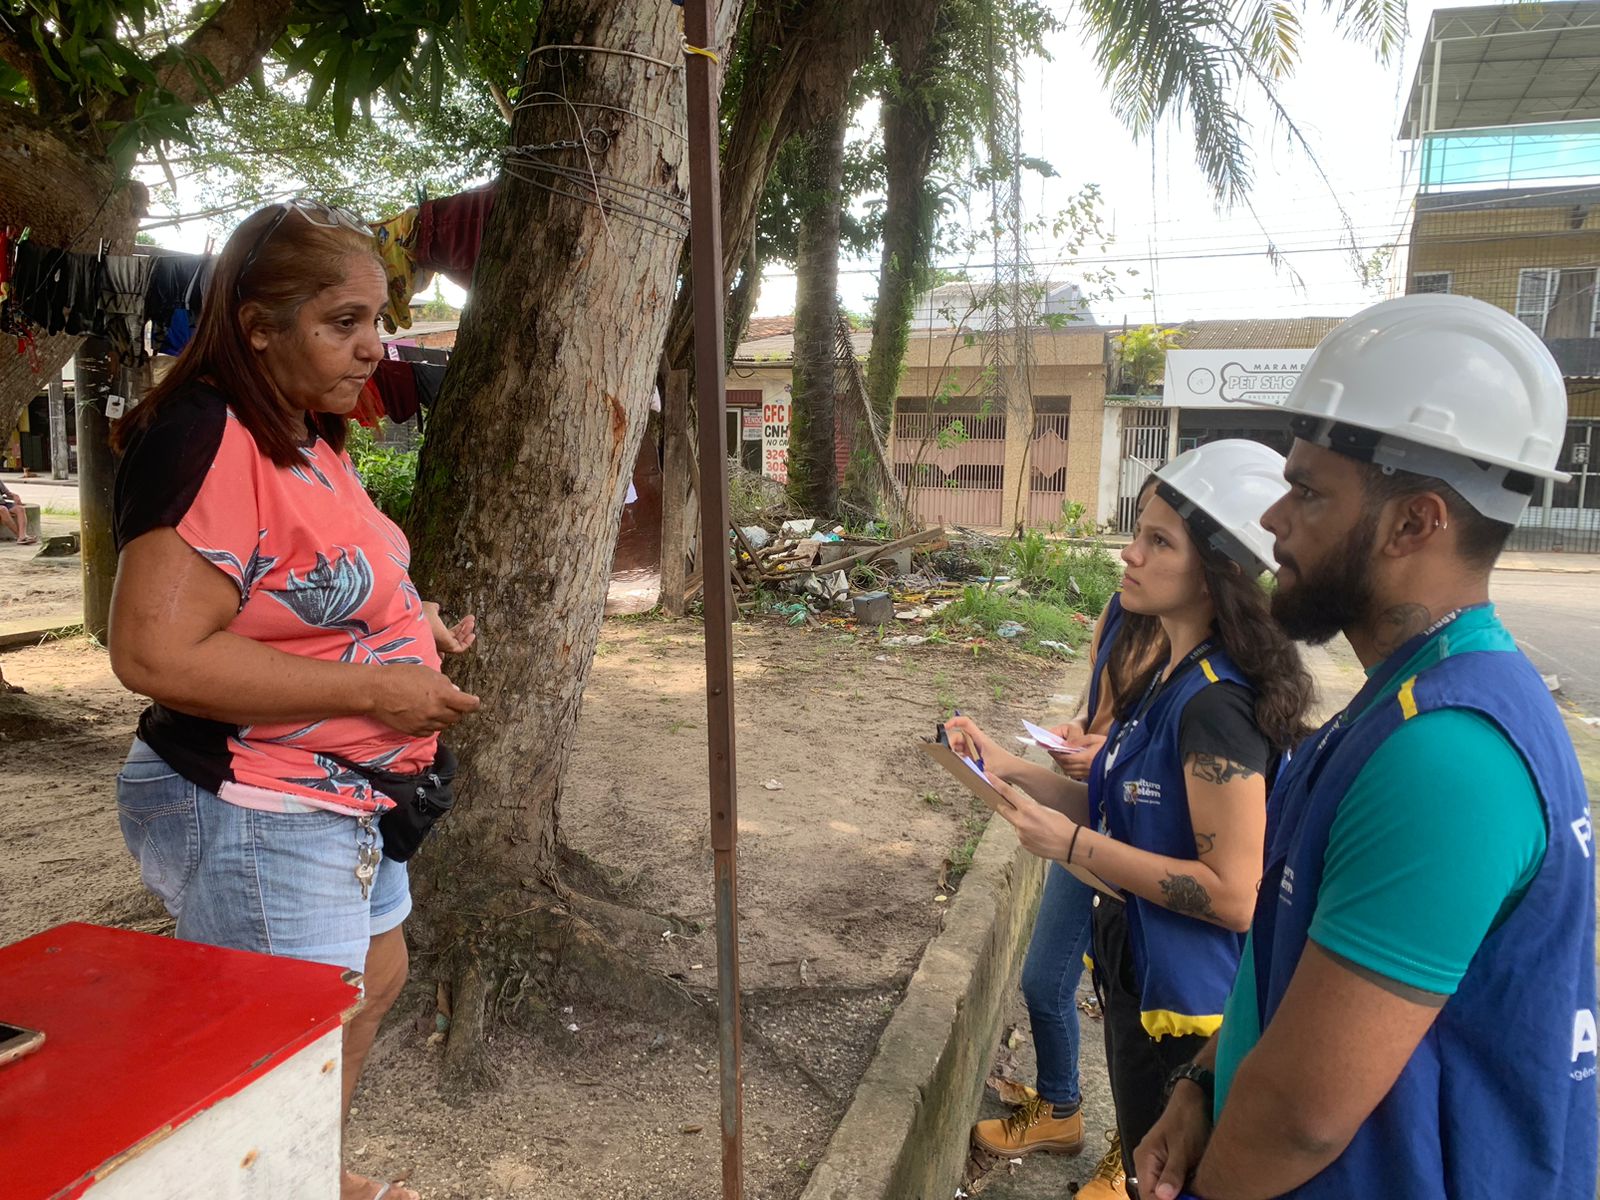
<point x="419" y="801"/>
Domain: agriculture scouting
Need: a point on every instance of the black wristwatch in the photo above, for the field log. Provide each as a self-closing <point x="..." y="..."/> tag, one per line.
<point x="1205" y="1080"/>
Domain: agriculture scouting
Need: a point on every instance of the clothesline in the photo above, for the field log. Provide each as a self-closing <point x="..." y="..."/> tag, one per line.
<point x="47" y="289"/>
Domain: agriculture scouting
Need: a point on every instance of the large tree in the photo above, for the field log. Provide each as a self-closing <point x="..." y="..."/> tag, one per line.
<point x="813" y="476"/>
<point x="84" y="85"/>
<point x="522" y="477"/>
<point x="88" y="86"/>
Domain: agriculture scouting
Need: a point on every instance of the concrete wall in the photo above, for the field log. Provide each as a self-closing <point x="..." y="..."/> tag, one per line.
<point x="906" y="1134"/>
<point x="1066" y="364"/>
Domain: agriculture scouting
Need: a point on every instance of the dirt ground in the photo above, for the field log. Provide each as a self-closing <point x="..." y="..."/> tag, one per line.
<point x="40" y="590"/>
<point x="840" y="864"/>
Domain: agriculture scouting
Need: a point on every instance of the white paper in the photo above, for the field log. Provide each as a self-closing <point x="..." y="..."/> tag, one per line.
<point x="1043" y="737"/>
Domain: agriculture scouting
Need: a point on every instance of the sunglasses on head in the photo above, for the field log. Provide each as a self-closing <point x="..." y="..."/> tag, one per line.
<point x="326" y="215"/>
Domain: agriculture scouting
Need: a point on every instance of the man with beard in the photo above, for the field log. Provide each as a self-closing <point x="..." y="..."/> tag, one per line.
<point x="1415" y="1009"/>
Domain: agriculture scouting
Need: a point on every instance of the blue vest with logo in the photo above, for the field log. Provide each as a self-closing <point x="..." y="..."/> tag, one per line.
<point x="1139" y="794"/>
<point x="1499" y="1098"/>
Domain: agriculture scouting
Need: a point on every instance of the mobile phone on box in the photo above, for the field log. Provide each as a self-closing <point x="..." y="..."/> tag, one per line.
<point x="15" y="1041"/>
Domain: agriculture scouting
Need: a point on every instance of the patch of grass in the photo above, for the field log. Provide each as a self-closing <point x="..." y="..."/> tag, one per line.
<point x="1058" y="590"/>
<point x="933" y="800"/>
<point x="58" y="510"/>
<point x="961" y="856"/>
<point x="679" y="726"/>
<point x="647" y="617"/>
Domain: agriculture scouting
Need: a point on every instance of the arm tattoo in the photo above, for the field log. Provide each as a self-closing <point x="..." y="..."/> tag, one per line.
<point x="1396" y="625"/>
<point x="1213" y="768"/>
<point x="1204" y="844"/>
<point x="1185" y="895"/>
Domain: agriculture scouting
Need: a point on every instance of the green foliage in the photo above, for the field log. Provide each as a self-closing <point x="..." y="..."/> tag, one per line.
<point x="261" y="144"/>
<point x="415" y="52"/>
<point x="1142" y="355"/>
<point x="126" y="77"/>
<point x="1193" y="56"/>
<point x="1052" y="589"/>
<point x="389" y="474"/>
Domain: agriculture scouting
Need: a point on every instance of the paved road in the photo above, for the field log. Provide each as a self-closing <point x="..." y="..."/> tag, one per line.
<point x="1556" y="620"/>
<point x="52" y="495"/>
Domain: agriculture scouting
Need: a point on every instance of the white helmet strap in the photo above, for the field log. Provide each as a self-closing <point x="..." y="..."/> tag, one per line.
<point x="1499" y="493"/>
<point x="1203" y="527"/>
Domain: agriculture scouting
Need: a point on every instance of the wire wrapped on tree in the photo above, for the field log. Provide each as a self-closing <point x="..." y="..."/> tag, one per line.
<point x="541" y="165"/>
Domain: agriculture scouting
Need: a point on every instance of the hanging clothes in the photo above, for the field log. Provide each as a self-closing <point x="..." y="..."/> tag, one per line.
<point x="428" y="378"/>
<point x="421" y="354"/>
<point x="12" y="322"/>
<point x="369" y="405"/>
<point x="398" y="389"/>
<point x="124" y="287"/>
<point x="172" y="303"/>
<point x="82" y="280"/>
<point x="404" y="279"/>
<point x="450" y="230"/>
<point x="38" y="291"/>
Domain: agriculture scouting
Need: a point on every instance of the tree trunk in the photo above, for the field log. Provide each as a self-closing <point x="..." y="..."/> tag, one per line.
<point x="913" y="115"/>
<point x="813" y="472"/>
<point x="67" y="196"/>
<point x="522" y="477"/>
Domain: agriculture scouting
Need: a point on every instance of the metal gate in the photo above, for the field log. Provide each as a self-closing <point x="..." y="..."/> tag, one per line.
<point x="1566" y="516"/>
<point x="1144" y="449"/>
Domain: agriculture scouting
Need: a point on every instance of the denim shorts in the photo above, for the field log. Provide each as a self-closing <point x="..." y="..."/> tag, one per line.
<point x="271" y="882"/>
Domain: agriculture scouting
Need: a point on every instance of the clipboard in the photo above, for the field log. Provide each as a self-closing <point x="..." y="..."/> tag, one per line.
<point x="966" y="773"/>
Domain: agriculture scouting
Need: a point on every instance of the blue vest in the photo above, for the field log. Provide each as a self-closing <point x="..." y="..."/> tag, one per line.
<point x="1499" y="1098"/>
<point x="1139" y="794"/>
<point x="1108" y="635"/>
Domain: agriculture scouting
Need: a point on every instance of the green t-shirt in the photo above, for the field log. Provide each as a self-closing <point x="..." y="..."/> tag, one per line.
<point x="1437" y="839"/>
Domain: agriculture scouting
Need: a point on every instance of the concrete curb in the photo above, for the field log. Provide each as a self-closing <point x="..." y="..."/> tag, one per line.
<point x="33" y="635"/>
<point x="905" y="1135"/>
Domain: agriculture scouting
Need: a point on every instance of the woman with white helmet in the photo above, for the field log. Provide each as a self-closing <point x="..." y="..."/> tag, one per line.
<point x="1173" y="817"/>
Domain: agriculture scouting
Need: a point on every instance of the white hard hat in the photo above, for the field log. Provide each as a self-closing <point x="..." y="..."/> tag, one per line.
<point x="1222" y="490"/>
<point x="1444" y="386"/>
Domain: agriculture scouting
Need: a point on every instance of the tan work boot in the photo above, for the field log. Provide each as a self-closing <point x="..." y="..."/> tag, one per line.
<point x="1109" y="1181"/>
<point x="1031" y="1126"/>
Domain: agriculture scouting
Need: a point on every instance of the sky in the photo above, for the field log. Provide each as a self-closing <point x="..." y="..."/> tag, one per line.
<point x="1195" y="261"/>
<point x="1211" y="264"/>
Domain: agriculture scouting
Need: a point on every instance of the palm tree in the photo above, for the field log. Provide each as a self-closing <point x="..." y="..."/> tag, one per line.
<point x="951" y="91"/>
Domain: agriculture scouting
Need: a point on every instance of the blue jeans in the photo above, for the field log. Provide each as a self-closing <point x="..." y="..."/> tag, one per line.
<point x="1050" y="983"/>
<point x="272" y="882"/>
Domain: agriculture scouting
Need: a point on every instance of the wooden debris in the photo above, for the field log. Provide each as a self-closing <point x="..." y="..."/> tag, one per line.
<point x="786" y="560"/>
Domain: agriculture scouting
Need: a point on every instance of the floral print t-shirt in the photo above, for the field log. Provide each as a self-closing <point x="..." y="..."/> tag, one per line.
<point x="320" y="572"/>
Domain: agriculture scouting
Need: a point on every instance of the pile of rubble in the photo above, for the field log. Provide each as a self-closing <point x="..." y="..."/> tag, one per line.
<point x="830" y="572"/>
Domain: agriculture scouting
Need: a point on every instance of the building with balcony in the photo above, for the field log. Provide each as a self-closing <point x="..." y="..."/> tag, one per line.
<point x="1504" y="122"/>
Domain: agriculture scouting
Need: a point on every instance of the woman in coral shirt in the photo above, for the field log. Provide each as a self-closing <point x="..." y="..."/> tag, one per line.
<point x="265" y="606"/>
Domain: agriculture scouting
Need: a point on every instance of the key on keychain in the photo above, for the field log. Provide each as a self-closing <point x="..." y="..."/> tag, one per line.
<point x="366" y="868"/>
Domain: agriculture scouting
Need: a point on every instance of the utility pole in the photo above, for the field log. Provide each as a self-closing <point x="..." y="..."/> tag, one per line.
<point x="1007" y="388"/>
<point x="705" y="249"/>
<point x="60" y="462"/>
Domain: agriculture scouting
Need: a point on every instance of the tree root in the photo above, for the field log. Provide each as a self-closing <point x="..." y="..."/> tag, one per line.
<point x="518" y="967"/>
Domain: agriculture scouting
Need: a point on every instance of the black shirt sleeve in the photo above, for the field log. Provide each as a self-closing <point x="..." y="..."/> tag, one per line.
<point x="1220" y="720"/>
<point x="165" y="465"/>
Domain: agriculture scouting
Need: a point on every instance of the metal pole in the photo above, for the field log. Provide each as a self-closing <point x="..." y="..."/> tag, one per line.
<point x="705" y="246"/>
